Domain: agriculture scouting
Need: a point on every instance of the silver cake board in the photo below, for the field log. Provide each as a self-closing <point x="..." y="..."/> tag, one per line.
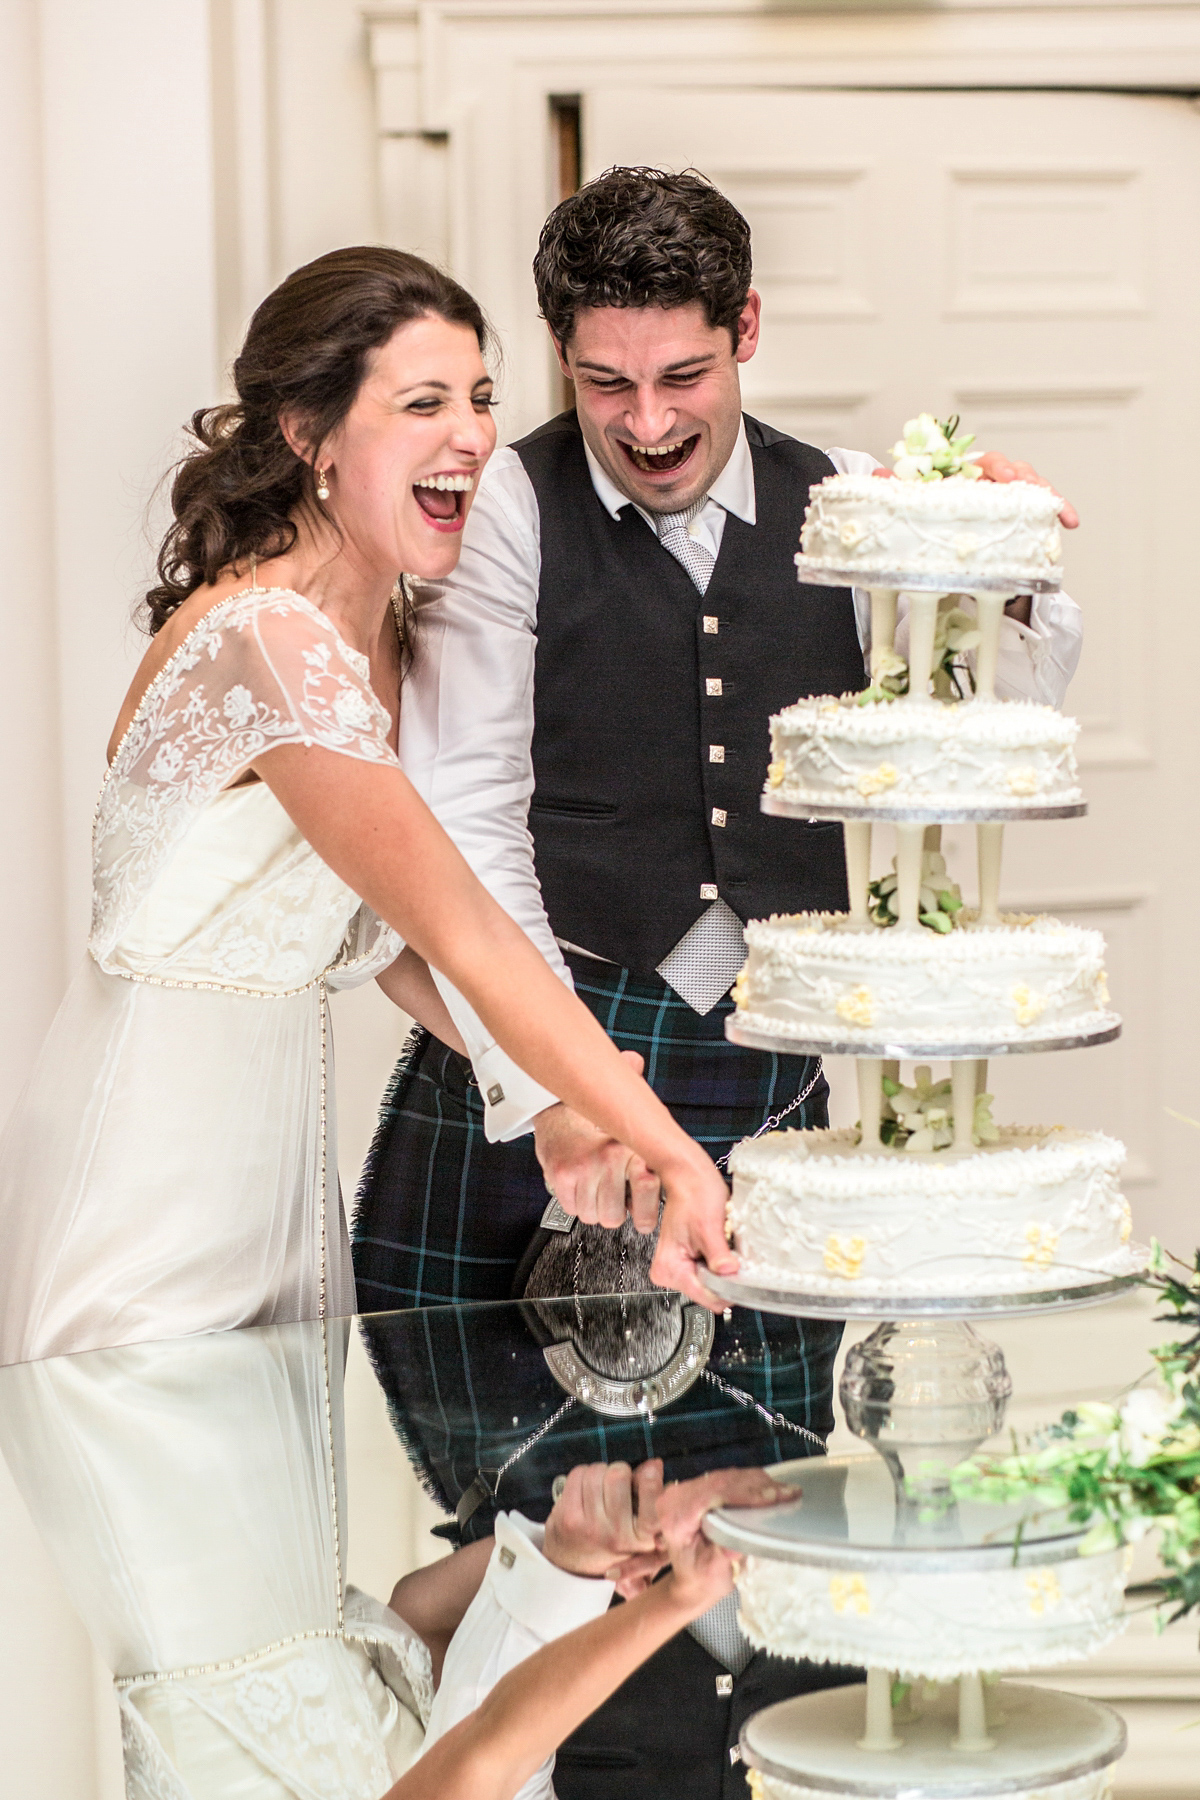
<point x="846" y="1517"/>
<point x="959" y="581"/>
<point x="1042" y="1738"/>
<point x="1066" y="1297"/>
<point x="932" y="813"/>
<point x="900" y="1049"/>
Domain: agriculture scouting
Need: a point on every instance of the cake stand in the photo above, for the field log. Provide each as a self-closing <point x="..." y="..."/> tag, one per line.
<point x="924" y="1391"/>
<point x="811" y="1747"/>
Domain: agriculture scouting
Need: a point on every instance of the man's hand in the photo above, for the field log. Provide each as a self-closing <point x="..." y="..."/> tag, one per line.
<point x="995" y="466"/>
<point x="606" y="1515"/>
<point x="590" y="1174"/>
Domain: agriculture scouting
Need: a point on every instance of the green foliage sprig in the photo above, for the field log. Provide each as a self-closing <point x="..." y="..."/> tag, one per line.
<point x="1128" y="1468"/>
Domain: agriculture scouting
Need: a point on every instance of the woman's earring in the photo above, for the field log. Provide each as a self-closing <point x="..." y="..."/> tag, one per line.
<point x="323" y="483"/>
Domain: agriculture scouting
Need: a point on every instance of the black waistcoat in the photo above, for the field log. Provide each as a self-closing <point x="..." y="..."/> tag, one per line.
<point x="625" y="789"/>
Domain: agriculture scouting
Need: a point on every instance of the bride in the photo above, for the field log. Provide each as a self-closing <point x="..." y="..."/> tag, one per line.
<point x="171" y="1165"/>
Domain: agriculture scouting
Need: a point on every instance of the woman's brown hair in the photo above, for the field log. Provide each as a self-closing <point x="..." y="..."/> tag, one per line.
<point x="306" y="355"/>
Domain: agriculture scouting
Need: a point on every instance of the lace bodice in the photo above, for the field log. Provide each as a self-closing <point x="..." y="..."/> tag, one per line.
<point x="201" y="883"/>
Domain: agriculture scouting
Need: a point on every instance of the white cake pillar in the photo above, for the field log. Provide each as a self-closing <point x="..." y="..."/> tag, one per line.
<point x="963" y="1079"/>
<point x="858" y="867"/>
<point x="972" y="1715"/>
<point x="883" y="623"/>
<point x="870" y="1100"/>
<point x="910" y="841"/>
<point x="879" y="1734"/>
<point x="990" y="841"/>
<point x="922" y="624"/>
<point x="989" y="610"/>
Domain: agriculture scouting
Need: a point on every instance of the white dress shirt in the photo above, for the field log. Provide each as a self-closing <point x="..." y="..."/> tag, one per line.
<point x="523" y="1602"/>
<point x="466" y="715"/>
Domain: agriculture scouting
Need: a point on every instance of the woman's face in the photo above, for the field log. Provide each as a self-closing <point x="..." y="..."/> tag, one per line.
<point x="403" y="464"/>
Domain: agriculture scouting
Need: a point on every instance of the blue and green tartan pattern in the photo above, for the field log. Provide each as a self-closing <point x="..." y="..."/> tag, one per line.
<point x="442" y="1215"/>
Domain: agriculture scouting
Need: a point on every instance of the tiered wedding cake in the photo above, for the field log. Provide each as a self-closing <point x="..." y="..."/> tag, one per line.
<point x="927" y="1212"/>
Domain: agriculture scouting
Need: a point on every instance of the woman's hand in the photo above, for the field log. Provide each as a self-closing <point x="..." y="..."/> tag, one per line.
<point x="701" y="1572"/>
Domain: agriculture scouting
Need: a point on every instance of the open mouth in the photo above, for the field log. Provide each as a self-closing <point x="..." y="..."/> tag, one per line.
<point x="443" y="499"/>
<point x="660" y="459"/>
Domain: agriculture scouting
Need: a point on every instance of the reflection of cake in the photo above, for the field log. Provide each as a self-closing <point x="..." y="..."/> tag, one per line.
<point x="1010" y="755"/>
<point x="816" y="976"/>
<point x="1098" y="1785"/>
<point x="862" y="525"/>
<point x="922" y="1622"/>
<point x="813" y="1212"/>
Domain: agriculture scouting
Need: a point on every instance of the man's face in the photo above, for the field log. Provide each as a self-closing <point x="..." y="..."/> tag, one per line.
<point x="658" y="396"/>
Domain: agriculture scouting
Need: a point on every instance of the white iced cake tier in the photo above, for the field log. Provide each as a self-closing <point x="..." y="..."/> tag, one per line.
<point x="922" y="1623"/>
<point x="957" y="528"/>
<point x="1011" y="755"/>
<point x="1096" y="1786"/>
<point x="817" y="975"/>
<point x="812" y="1212"/>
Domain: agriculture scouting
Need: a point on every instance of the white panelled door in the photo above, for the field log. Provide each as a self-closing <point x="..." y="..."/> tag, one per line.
<point x="1030" y="261"/>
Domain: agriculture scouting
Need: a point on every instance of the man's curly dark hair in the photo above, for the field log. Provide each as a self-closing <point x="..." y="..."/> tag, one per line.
<point x="643" y="237"/>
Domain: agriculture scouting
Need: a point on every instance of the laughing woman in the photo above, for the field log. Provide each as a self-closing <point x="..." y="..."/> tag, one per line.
<point x="171" y="1165"/>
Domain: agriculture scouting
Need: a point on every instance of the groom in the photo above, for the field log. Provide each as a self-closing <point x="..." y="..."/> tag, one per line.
<point x="593" y="684"/>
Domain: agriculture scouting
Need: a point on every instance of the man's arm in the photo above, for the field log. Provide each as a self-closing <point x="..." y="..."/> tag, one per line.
<point x="1040" y="637"/>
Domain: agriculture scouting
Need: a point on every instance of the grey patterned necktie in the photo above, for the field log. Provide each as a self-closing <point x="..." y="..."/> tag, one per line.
<point x="674" y="535"/>
<point x="702" y="966"/>
<point x="720" y="1634"/>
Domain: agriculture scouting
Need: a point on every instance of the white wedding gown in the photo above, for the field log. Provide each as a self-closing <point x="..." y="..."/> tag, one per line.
<point x="192" y="1495"/>
<point x="171" y="1166"/>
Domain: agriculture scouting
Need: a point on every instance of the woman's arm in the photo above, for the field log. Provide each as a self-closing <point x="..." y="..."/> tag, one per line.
<point x="493" y="1752"/>
<point x="408" y="983"/>
<point x="367" y="822"/>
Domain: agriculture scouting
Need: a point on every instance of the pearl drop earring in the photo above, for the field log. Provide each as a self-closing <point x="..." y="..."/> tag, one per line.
<point x="323" y="483"/>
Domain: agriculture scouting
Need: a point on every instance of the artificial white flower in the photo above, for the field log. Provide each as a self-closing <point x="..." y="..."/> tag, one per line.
<point x="1147" y="1416"/>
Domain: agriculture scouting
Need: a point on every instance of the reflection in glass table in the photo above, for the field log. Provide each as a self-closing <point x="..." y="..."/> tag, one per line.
<point x="194" y="1497"/>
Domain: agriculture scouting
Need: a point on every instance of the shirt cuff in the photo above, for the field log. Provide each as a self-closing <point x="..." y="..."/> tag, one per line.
<point x="511" y="1098"/>
<point x="546" y="1600"/>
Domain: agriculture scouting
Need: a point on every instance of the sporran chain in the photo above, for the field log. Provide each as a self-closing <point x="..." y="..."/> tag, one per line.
<point x="777" y="1118"/>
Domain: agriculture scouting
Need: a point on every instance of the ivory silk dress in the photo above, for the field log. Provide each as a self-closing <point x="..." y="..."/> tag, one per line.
<point x="171" y="1166"/>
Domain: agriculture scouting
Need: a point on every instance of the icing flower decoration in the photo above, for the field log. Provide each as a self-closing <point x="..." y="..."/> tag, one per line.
<point x="874" y="781"/>
<point x="1042" y="1242"/>
<point x="1043" y="1589"/>
<point x="775" y="773"/>
<point x="856" y="1006"/>
<point x="849" y="1592"/>
<point x="929" y="451"/>
<point x="843" y="1256"/>
<point x="1027" y="1006"/>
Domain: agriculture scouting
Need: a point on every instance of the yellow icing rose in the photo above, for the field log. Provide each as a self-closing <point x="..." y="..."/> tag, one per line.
<point x="1023" y="782"/>
<point x="1028" y="1007"/>
<point x="876" y="780"/>
<point x="1126" y="1225"/>
<point x="1043" y="1242"/>
<point x="1101" y="988"/>
<point x="740" y="990"/>
<point x="844" y="1256"/>
<point x="775" y="774"/>
<point x="856" y="1006"/>
<point x="1044" y="1592"/>
<point x="849" y="1591"/>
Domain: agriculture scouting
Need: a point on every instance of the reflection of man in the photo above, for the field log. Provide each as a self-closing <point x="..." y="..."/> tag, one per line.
<point x="624" y="619"/>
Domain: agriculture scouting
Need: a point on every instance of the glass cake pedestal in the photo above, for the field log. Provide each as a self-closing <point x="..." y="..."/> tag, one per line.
<point x="1090" y="1290"/>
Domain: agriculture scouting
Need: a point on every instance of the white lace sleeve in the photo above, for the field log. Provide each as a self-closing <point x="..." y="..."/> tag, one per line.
<point x="262" y="668"/>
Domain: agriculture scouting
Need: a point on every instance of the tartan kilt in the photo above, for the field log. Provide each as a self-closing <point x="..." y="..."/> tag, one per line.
<point x="442" y="1215"/>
